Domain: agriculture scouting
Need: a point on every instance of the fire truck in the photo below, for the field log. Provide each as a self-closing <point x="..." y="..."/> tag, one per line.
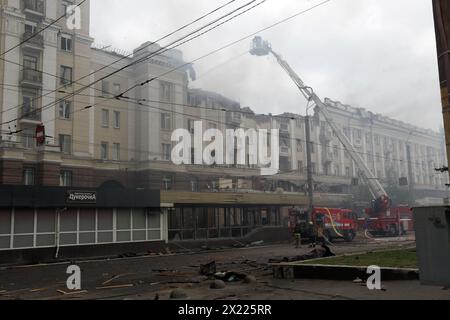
<point x="382" y="218"/>
<point x="338" y="223"/>
<point x="391" y="222"/>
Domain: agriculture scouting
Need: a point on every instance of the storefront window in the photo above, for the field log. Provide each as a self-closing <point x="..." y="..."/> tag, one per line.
<point x="5" y="228"/>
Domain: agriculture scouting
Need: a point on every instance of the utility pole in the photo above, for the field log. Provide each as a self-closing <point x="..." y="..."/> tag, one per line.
<point x="441" y="11"/>
<point x="410" y="176"/>
<point x="309" y="167"/>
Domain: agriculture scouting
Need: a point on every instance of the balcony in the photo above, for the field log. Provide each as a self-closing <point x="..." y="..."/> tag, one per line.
<point x="34" y="8"/>
<point x="33" y="41"/>
<point x="31" y="78"/>
<point x="30" y="115"/>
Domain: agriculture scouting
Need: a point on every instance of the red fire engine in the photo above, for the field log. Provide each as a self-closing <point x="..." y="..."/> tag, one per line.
<point x="388" y="222"/>
<point x="338" y="223"/>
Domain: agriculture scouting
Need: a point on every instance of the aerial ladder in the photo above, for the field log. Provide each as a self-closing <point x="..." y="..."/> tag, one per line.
<point x="382" y="201"/>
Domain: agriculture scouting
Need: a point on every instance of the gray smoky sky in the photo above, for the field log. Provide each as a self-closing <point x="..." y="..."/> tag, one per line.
<point x="375" y="54"/>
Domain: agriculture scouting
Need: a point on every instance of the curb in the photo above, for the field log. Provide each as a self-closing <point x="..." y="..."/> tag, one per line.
<point x="327" y="272"/>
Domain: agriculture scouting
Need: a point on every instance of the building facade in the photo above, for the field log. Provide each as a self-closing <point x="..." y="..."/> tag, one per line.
<point x="60" y="79"/>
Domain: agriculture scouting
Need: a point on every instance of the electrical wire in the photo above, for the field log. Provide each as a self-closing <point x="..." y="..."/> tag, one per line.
<point x="246" y="37"/>
<point x="38" y="32"/>
<point x="124" y="57"/>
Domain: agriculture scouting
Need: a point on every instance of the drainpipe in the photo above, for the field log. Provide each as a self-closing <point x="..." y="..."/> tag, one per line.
<point x="58" y="227"/>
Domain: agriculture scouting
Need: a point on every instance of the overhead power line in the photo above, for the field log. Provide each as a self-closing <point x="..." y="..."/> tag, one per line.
<point x="121" y="58"/>
<point x="158" y="52"/>
<point x="210" y="53"/>
<point x="39" y="32"/>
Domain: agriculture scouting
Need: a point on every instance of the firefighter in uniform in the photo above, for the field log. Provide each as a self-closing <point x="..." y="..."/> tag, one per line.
<point x="298" y="234"/>
<point x="319" y="231"/>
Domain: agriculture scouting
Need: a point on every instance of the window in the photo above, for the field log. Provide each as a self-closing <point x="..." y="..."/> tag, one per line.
<point x="313" y="168"/>
<point x="347" y="132"/>
<point x="30" y="62"/>
<point x="299" y="145"/>
<point x="165" y="91"/>
<point x="65" y="179"/>
<point x="347" y="172"/>
<point x="166" y="150"/>
<point x="194" y="185"/>
<point x="105" y="225"/>
<point x="65" y="109"/>
<point x="165" y="121"/>
<point x="117" y="119"/>
<point x="29" y="176"/>
<point x="117" y="88"/>
<point x="105" y="118"/>
<point x="104" y="151"/>
<point x="66" y="43"/>
<point x="167" y="182"/>
<point x="65" y="143"/>
<point x="29" y="107"/>
<point x="301" y="169"/>
<point x="105" y="87"/>
<point x="30" y="29"/>
<point x="337" y="171"/>
<point x="66" y="75"/>
<point x="116" y="152"/>
<point x="28" y="139"/>
<point x="377" y="140"/>
<point x="378" y="157"/>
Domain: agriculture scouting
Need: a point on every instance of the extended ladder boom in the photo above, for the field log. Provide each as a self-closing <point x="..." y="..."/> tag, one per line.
<point x="375" y="186"/>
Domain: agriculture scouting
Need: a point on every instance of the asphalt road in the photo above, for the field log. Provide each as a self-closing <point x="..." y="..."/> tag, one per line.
<point x="151" y="276"/>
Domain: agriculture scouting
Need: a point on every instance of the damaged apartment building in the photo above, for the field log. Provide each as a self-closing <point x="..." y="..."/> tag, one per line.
<point x="99" y="139"/>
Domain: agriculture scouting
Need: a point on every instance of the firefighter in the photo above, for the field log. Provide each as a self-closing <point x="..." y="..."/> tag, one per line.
<point x="318" y="231"/>
<point x="298" y="234"/>
<point x="312" y="232"/>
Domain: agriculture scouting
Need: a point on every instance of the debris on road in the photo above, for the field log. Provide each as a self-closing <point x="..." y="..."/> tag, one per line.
<point x="35" y="290"/>
<point x="257" y="243"/>
<point x="71" y="293"/>
<point x="113" y="278"/>
<point x="322" y="252"/>
<point x="116" y="287"/>
<point x="178" y="294"/>
<point x="128" y="255"/>
<point x="217" y="285"/>
<point x="231" y="276"/>
<point x="250" y="279"/>
<point x="208" y="269"/>
<point x="357" y="280"/>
